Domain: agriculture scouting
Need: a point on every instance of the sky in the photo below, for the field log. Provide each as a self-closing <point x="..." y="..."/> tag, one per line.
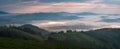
<point x="74" y="6"/>
<point x="50" y="14"/>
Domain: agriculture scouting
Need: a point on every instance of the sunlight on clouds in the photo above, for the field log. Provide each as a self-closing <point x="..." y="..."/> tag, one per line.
<point x="30" y="9"/>
<point x="112" y="26"/>
<point x="115" y="26"/>
<point x="91" y="18"/>
<point x="89" y="22"/>
<point x="62" y="7"/>
<point x="49" y="24"/>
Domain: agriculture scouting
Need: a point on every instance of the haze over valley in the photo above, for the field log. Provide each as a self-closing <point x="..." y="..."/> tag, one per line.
<point x="57" y="21"/>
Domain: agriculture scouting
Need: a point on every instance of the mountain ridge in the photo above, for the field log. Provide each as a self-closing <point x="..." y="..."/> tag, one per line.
<point x="2" y="12"/>
<point x="36" y="29"/>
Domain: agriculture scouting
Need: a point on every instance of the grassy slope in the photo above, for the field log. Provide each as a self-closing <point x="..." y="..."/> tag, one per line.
<point x="11" y="38"/>
<point x="14" y="33"/>
<point x="11" y="43"/>
<point x="108" y="35"/>
<point x="81" y="39"/>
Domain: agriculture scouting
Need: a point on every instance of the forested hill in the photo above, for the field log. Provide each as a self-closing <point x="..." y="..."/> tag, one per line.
<point x="25" y="37"/>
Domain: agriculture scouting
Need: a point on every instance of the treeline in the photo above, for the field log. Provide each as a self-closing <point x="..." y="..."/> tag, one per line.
<point x="25" y="37"/>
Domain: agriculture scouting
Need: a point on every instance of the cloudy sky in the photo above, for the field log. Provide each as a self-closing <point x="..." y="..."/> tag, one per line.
<point x="49" y="14"/>
<point x="32" y="6"/>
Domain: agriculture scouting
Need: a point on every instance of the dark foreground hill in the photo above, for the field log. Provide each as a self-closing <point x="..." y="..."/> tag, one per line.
<point x="108" y="35"/>
<point x="19" y="38"/>
<point x="35" y="29"/>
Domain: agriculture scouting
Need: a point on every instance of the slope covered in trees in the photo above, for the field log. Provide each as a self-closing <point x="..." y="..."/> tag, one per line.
<point x="25" y="37"/>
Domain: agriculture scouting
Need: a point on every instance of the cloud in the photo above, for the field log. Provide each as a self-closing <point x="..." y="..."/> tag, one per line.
<point x="54" y="22"/>
<point x="113" y="26"/>
<point x="48" y="1"/>
<point x="32" y="7"/>
<point x="7" y="2"/>
<point x="85" y="23"/>
<point x="117" y="2"/>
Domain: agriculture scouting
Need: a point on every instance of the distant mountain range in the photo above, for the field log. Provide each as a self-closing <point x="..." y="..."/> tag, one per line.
<point x="2" y="12"/>
<point x="23" y="18"/>
<point x="63" y="13"/>
<point x="87" y="13"/>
